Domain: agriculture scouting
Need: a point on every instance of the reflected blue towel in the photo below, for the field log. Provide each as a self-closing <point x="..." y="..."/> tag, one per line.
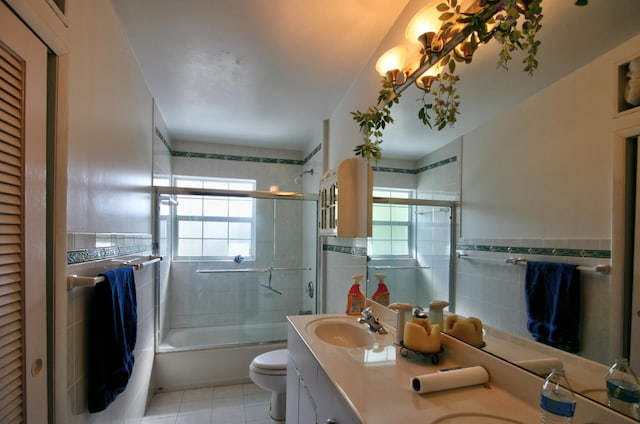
<point x="552" y="293"/>
<point x="112" y="337"/>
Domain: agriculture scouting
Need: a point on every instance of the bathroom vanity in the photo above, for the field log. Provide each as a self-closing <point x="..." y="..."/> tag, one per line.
<point x="339" y="372"/>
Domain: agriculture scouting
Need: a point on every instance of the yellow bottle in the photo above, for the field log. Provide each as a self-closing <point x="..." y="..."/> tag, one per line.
<point x="355" y="298"/>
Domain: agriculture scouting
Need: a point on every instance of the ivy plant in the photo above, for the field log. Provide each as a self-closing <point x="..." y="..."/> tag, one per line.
<point x="374" y="120"/>
<point x="514" y="25"/>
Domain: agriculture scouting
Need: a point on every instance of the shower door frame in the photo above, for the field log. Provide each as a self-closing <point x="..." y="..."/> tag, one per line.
<point x="453" y="227"/>
<point x="158" y="191"/>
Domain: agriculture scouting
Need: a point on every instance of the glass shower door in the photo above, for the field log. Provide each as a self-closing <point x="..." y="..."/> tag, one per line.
<point x="237" y="285"/>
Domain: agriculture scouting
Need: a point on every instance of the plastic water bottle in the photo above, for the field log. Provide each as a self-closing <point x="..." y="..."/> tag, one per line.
<point x="623" y="389"/>
<point x="557" y="401"/>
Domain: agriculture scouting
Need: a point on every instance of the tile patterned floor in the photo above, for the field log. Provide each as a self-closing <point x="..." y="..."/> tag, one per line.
<point x="237" y="404"/>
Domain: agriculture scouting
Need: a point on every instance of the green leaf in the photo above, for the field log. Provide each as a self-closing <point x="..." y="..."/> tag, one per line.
<point x="446" y="16"/>
<point x="442" y="7"/>
<point x="582" y="2"/>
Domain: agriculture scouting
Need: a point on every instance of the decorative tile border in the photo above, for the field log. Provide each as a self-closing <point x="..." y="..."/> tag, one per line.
<point x="542" y="251"/>
<point x="240" y="158"/>
<point x="89" y="255"/>
<point x="348" y="250"/>
<point x="416" y="171"/>
<point x="107" y="245"/>
<point x="313" y="153"/>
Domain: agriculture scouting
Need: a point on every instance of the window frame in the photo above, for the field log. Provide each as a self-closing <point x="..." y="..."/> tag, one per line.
<point x="187" y="182"/>
<point x="411" y="228"/>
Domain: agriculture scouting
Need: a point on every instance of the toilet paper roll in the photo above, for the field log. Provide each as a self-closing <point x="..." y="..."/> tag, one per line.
<point x="450" y="379"/>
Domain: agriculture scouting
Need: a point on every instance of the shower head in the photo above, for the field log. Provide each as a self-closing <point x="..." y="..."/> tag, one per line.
<point x="298" y="179"/>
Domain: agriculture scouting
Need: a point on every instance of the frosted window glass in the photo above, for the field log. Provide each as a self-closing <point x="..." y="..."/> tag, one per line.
<point x="216" y="230"/>
<point x="216" y="207"/>
<point x="400" y="213"/>
<point x="381" y="213"/>
<point x="219" y="185"/>
<point x="241" y="208"/>
<point x="381" y="232"/>
<point x="240" y="230"/>
<point x="381" y="248"/>
<point x="215" y="248"/>
<point x="399" y="248"/>
<point x="242" y="247"/>
<point x="189" y="247"/>
<point x="190" y="229"/>
<point x="189" y="206"/>
<point x="400" y="233"/>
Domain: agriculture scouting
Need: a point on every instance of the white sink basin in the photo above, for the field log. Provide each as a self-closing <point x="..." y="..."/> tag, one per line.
<point x="345" y="332"/>
<point x="475" y="418"/>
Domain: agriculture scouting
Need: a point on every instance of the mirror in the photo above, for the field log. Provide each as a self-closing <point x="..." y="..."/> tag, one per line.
<point x="544" y="179"/>
<point x="484" y="282"/>
<point x="420" y="260"/>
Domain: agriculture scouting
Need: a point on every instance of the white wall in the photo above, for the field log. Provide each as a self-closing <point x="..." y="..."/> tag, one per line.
<point x="110" y="138"/>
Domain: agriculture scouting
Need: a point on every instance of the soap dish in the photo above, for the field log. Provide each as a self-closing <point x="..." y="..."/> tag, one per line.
<point x="435" y="359"/>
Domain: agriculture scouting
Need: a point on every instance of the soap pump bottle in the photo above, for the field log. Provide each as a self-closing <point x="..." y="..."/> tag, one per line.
<point x="381" y="295"/>
<point x="355" y="298"/>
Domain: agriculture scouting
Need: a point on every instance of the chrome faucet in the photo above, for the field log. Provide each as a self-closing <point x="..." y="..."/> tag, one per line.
<point x="371" y="322"/>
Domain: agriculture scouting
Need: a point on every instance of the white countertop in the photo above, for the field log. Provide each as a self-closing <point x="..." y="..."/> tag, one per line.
<point x="376" y="381"/>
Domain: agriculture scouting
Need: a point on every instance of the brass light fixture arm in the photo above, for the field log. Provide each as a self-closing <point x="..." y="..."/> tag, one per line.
<point x="485" y="14"/>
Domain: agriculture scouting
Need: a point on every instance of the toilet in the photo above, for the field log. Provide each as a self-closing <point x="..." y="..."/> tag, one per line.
<point x="269" y="372"/>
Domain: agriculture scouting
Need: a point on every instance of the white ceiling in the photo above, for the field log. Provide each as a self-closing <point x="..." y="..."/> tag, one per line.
<point x="265" y="73"/>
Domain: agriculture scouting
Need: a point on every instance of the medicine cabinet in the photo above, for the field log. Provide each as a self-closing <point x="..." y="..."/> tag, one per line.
<point x="346" y="196"/>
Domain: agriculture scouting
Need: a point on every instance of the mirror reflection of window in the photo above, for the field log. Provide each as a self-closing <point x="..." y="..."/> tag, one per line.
<point x="392" y="234"/>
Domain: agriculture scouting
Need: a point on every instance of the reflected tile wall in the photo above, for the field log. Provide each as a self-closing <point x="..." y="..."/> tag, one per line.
<point x="489" y="288"/>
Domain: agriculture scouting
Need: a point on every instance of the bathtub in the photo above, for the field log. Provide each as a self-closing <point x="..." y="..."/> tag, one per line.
<point x="230" y="335"/>
<point x="191" y="358"/>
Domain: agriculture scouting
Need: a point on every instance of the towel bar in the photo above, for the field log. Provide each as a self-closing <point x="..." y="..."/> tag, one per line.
<point x="601" y="268"/>
<point x="74" y="281"/>
<point x="220" y="271"/>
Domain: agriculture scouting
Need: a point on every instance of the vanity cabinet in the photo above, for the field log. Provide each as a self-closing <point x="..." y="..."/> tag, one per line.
<point x="311" y="396"/>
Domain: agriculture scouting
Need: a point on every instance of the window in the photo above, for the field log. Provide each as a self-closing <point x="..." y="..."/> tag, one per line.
<point x="214" y="227"/>
<point x="392" y="226"/>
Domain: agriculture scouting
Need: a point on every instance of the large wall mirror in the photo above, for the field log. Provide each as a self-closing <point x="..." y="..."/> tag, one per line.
<point x="493" y="200"/>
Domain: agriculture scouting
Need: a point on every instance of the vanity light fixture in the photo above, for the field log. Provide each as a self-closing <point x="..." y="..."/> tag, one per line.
<point x="425" y="80"/>
<point x="422" y="30"/>
<point x="436" y="39"/>
<point x="391" y="65"/>
<point x="448" y="32"/>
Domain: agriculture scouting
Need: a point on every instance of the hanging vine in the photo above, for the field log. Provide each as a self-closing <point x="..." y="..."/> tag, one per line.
<point x="514" y="26"/>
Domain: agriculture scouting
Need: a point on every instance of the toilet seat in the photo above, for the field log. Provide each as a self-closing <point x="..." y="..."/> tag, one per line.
<point x="271" y="363"/>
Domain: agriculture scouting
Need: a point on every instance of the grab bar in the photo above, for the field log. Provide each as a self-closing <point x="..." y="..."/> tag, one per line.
<point x="74" y="280"/>
<point x="220" y="271"/>
<point x="601" y="268"/>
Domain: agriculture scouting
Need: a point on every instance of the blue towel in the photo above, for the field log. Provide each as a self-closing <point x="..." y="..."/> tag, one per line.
<point x="553" y="303"/>
<point x="112" y="337"/>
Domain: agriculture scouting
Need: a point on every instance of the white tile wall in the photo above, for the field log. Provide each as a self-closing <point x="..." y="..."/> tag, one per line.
<point x="130" y="405"/>
<point x="494" y="292"/>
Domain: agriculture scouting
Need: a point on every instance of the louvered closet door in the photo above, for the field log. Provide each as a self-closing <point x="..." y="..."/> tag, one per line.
<point x="23" y="376"/>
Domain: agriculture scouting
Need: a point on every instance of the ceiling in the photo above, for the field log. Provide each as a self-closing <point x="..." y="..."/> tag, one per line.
<point x="265" y="73"/>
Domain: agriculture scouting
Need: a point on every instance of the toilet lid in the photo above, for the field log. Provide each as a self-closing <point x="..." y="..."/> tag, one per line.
<point x="273" y="360"/>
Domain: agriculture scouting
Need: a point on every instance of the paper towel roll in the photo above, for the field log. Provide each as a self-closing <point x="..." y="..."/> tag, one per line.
<point x="451" y="379"/>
